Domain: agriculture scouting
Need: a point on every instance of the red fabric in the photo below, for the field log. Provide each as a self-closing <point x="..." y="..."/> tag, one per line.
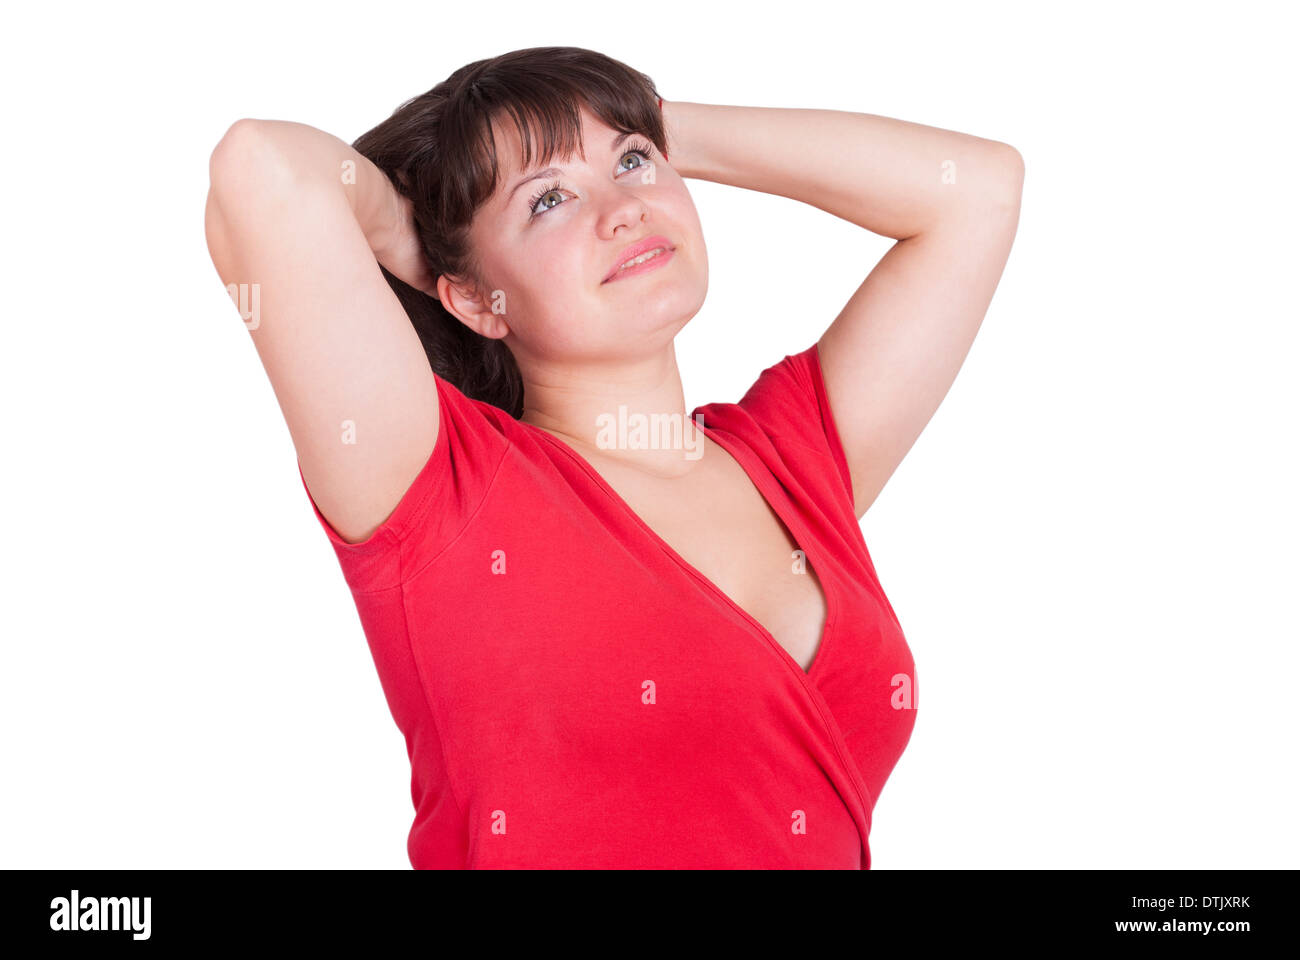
<point x="522" y="693"/>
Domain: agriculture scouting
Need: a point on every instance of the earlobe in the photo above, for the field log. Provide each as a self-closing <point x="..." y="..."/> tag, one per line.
<point x="476" y="313"/>
<point x="487" y="324"/>
<point x="464" y="301"/>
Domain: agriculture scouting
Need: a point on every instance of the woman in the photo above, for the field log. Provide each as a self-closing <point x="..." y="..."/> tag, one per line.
<point x="614" y="635"/>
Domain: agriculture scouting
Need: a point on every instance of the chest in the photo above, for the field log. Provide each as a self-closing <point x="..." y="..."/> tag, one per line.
<point x="717" y="522"/>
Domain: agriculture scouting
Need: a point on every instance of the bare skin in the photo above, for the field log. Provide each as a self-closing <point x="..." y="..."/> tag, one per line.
<point x="585" y="347"/>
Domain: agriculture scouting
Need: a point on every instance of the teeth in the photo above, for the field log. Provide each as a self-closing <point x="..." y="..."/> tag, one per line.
<point x="643" y="258"/>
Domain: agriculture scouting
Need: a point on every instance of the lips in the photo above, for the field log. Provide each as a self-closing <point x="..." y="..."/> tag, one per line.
<point x="635" y="250"/>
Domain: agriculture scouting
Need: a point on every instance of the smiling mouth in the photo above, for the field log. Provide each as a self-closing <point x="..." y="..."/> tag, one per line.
<point x="636" y="261"/>
<point x="643" y="258"/>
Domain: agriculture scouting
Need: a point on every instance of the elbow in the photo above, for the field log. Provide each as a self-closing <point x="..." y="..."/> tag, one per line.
<point x="248" y="168"/>
<point x="1005" y="180"/>
<point x="235" y="142"/>
<point x="1014" y="166"/>
<point x="1011" y="156"/>
<point x="244" y="159"/>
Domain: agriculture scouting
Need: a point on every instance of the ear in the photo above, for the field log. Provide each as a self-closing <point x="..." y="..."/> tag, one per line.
<point x="484" y="314"/>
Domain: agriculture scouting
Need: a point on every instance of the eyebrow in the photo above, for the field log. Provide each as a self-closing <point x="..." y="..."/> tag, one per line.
<point x="556" y="171"/>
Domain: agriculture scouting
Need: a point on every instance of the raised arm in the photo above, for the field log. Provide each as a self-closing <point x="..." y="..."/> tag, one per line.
<point x="297" y="223"/>
<point x="952" y="201"/>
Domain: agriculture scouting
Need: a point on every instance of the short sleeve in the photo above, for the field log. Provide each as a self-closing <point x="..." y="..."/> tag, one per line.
<point x="789" y="401"/>
<point x="440" y="501"/>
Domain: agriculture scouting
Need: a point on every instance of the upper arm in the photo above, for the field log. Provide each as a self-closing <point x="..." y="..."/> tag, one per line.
<point x="893" y="352"/>
<point x="348" y="369"/>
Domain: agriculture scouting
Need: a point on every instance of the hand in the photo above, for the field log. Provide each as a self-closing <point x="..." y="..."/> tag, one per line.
<point x="398" y="250"/>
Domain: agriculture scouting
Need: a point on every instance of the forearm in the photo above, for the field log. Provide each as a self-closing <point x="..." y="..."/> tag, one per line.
<point x="893" y="177"/>
<point x="310" y="156"/>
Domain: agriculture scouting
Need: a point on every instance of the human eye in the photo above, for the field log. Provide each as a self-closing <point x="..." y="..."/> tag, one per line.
<point x="537" y="198"/>
<point x="638" y="149"/>
<point x="641" y="149"/>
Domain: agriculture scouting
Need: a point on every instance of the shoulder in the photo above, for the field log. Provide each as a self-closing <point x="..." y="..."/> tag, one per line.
<point x="787" y="404"/>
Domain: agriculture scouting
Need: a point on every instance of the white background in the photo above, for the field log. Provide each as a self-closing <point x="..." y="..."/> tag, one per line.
<point x="1091" y="547"/>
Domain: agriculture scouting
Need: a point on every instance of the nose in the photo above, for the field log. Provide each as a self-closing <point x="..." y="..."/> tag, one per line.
<point x="621" y="207"/>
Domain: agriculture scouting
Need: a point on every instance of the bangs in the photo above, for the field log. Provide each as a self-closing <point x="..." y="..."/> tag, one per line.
<point x="547" y="118"/>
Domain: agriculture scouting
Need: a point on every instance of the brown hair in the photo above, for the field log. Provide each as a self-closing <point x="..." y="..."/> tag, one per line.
<point x="439" y="152"/>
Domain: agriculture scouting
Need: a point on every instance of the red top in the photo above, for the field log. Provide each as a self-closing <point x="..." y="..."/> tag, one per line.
<point x="574" y="694"/>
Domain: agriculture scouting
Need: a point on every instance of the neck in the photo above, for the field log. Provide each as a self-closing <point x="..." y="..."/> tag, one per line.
<point x="632" y="412"/>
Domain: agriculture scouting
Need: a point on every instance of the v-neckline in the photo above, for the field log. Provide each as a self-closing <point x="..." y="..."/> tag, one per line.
<point x="799" y="532"/>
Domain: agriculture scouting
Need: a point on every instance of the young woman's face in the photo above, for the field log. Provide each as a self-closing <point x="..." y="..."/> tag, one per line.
<point x="548" y="242"/>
